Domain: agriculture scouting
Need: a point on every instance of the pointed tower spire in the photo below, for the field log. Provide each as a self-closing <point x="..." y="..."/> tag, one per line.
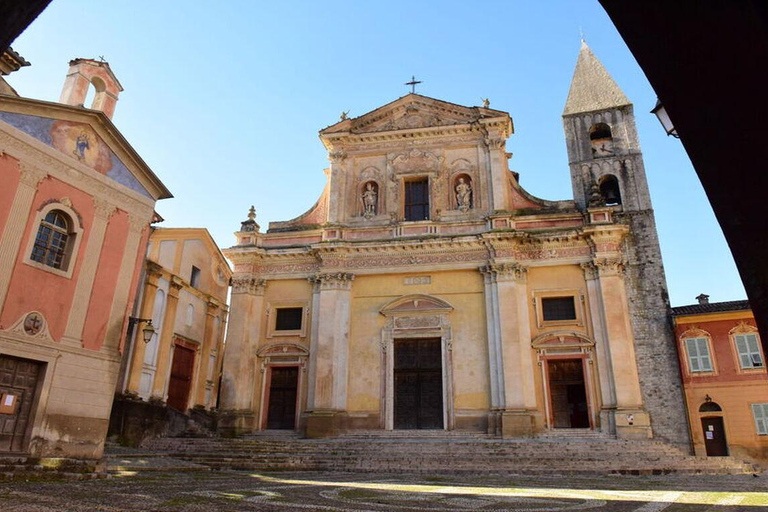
<point x="592" y="88"/>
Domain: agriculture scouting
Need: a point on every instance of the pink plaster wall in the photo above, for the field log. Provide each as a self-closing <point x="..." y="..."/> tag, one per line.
<point x="32" y="289"/>
<point x="9" y="178"/>
<point x="138" y="266"/>
<point x="105" y="281"/>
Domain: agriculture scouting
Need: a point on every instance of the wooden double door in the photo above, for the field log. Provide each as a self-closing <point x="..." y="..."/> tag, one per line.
<point x="418" y="384"/>
<point x="19" y="383"/>
<point x="568" y="393"/>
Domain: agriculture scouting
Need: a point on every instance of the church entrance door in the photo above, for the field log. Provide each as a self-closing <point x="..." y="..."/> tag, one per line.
<point x="418" y="380"/>
<point x="568" y="393"/>
<point x="180" y="383"/>
<point x="19" y="380"/>
<point x="283" y="386"/>
<point x="714" y="437"/>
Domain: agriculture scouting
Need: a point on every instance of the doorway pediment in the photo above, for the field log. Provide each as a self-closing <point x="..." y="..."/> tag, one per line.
<point x="410" y="304"/>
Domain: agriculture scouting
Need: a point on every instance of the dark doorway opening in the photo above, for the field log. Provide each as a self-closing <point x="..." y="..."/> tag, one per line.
<point x="19" y="384"/>
<point x="418" y="376"/>
<point x="180" y="382"/>
<point x="568" y="393"/>
<point x="714" y="436"/>
<point x="283" y="390"/>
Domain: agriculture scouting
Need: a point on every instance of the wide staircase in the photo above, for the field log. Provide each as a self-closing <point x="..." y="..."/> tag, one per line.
<point x="440" y="452"/>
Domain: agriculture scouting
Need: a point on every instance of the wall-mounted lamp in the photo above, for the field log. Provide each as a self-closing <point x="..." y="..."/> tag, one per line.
<point x="661" y="113"/>
<point x="147" y="332"/>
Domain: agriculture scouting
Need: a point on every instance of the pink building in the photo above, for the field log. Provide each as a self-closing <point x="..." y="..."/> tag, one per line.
<point x="76" y="201"/>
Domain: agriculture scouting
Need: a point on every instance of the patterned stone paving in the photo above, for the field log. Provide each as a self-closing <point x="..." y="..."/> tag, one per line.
<point x="227" y="491"/>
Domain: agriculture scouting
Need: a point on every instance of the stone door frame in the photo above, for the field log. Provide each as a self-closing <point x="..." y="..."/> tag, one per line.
<point x="281" y="355"/>
<point x="416" y="317"/>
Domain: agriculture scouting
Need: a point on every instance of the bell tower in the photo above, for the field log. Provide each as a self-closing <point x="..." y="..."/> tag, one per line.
<point x="607" y="170"/>
<point x="603" y="148"/>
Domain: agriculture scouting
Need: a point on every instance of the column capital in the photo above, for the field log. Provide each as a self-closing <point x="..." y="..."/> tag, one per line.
<point x="590" y="270"/>
<point x="136" y="223"/>
<point x="31" y="175"/>
<point x="175" y="287"/>
<point x="333" y="281"/>
<point x="609" y="266"/>
<point x="248" y="284"/>
<point x="103" y="209"/>
<point x="505" y="271"/>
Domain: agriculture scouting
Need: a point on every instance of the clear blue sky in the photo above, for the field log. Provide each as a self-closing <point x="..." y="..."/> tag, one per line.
<point x="224" y="99"/>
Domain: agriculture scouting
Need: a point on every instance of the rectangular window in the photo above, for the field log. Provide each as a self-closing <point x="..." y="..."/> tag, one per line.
<point x="698" y="355"/>
<point x="417" y="200"/>
<point x="760" y="412"/>
<point x="558" y="308"/>
<point x="288" y="319"/>
<point x="194" y="279"/>
<point x="749" y="350"/>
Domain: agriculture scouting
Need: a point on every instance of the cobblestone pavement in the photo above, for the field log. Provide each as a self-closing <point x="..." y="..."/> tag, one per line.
<point x="176" y="490"/>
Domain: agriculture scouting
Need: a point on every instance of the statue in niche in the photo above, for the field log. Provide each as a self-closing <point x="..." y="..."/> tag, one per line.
<point x="369" y="201"/>
<point x="463" y="195"/>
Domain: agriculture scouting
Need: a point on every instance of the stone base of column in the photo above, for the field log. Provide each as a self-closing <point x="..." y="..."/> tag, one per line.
<point x="517" y="424"/>
<point x="325" y="423"/>
<point x="608" y="421"/>
<point x="633" y="424"/>
<point x="235" y="423"/>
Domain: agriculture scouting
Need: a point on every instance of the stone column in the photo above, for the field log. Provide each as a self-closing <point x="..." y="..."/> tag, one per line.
<point x="153" y="273"/>
<point x="166" y="338"/>
<point x="239" y="366"/>
<point x="13" y="232"/>
<point x="329" y="346"/>
<point x="495" y="367"/>
<point x="515" y="327"/>
<point x="602" y="349"/>
<point x="632" y="421"/>
<point x="209" y="342"/>
<point x="81" y="301"/>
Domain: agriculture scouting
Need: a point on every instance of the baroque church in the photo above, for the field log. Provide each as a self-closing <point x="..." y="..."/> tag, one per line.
<point x="426" y="289"/>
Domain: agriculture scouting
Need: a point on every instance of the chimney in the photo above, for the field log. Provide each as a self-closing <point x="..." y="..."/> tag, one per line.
<point x="84" y="73"/>
<point x="703" y="298"/>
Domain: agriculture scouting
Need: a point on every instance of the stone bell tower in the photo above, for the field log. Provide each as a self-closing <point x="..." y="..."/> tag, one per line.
<point x="607" y="170"/>
<point x="84" y="73"/>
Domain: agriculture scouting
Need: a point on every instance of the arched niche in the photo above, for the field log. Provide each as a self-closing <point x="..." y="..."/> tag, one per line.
<point x="610" y="190"/>
<point x="369" y="194"/>
<point x="601" y="140"/>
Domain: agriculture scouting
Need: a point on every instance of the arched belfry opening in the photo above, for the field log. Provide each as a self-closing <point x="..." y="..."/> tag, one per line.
<point x="609" y="189"/>
<point x="601" y="139"/>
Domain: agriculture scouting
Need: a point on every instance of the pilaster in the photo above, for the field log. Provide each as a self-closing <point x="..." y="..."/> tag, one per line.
<point x="81" y="301"/>
<point x="13" y="232"/>
<point x="329" y="346"/>
<point x="239" y="365"/>
<point x="209" y="341"/>
<point x="166" y="337"/>
<point x="153" y="273"/>
<point x="497" y="159"/>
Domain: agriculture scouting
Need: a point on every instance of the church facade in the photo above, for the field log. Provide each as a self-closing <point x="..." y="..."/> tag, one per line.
<point x="426" y="289"/>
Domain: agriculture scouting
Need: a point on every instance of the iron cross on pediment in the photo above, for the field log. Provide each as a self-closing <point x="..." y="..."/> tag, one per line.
<point x="413" y="83"/>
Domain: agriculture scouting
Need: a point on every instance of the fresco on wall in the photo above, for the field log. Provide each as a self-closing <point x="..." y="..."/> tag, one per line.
<point x="78" y="141"/>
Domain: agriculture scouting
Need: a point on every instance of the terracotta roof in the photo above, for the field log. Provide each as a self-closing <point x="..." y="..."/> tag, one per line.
<point x="713" y="307"/>
<point x="592" y="88"/>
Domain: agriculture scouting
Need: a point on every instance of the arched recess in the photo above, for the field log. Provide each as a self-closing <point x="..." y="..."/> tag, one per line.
<point x="601" y="140"/>
<point x="369" y="194"/>
<point x="278" y="356"/>
<point x="416" y="317"/>
<point x="561" y="348"/>
<point x="610" y="190"/>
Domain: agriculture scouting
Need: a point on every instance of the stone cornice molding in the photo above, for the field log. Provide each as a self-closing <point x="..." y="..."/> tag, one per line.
<point x="33" y="154"/>
<point x="248" y="284"/>
<point x="333" y="281"/>
<point x="606" y="238"/>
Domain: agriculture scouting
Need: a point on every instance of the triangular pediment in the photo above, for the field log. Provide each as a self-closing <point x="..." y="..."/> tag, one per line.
<point x="413" y="112"/>
<point x="84" y="136"/>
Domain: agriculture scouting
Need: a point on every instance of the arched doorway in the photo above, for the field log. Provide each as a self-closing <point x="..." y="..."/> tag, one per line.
<point x="713" y="429"/>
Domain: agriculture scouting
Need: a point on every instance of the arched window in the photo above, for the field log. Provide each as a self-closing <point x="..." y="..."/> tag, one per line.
<point x="150" y="352"/>
<point x="601" y="139"/>
<point x="53" y="240"/>
<point x="190" y="314"/>
<point x="609" y="189"/>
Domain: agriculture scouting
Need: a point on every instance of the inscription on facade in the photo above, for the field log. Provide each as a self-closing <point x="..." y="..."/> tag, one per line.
<point x="417" y="280"/>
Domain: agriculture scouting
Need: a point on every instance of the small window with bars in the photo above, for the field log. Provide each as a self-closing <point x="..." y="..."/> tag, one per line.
<point x="760" y="413"/>
<point x="288" y="319"/>
<point x="748" y="347"/>
<point x="555" y="309"/>
<point x="699" y="359"/>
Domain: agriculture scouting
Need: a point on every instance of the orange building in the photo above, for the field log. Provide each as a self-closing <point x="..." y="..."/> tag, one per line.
<point x="76" y="201"/>
<point x="724" y="377"/>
